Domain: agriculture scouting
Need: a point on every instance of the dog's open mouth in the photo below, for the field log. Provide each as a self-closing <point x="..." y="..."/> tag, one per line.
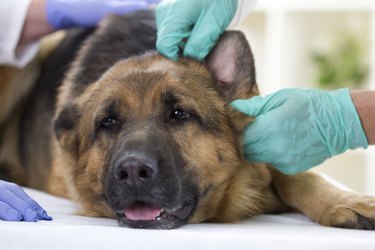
<point x="142" y="215"/>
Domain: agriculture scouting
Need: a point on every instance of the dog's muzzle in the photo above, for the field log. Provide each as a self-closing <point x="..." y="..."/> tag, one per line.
<point x="146" y="189"/>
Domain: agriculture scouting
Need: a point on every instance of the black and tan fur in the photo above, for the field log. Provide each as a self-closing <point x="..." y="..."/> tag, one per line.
<point x="119" y="97"/>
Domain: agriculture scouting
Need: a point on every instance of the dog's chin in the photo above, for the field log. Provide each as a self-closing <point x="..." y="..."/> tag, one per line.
<point x="144" y="216"/>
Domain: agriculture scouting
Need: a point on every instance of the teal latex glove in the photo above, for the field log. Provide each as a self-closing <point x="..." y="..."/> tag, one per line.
<point x="200" y="22"/>
<point x="296" y="129"/>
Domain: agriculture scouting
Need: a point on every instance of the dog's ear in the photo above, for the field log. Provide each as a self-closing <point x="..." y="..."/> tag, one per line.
<point x="232" y="63"/>
<point x="64" y="126"/>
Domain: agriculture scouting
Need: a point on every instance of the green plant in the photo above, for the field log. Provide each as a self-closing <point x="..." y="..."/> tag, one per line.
<point x="343" y="66"/>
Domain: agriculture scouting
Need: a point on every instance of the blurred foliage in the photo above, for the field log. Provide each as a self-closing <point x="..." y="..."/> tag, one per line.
<point x="342" y="66"/>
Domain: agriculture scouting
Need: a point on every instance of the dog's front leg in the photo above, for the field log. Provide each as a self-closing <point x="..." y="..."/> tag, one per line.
<point x="325" y="203"/>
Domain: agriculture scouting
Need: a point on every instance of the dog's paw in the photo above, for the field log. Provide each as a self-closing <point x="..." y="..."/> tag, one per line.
<point x="352" y="211"/>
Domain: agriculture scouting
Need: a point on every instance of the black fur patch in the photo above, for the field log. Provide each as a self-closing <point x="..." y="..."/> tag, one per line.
<point x="66" y="120"/>
<point x="123" y="39"/>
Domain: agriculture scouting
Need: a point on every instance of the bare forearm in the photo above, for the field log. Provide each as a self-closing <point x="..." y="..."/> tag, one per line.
<point x="364" y="102"/>
<point x="36" y="24"/>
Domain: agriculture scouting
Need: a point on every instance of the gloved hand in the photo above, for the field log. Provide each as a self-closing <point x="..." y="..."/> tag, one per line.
<point x="201" y="22"/>
<point x="296" y="129"/>
<point x="86" y="13"/>
<point x="16" y="205"/>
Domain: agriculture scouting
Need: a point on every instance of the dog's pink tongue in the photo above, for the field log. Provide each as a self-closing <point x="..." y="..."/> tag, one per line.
<point x="142" y="212"/>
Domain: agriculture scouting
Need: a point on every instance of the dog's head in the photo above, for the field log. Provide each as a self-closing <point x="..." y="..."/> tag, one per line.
<point x="154" y="142"/>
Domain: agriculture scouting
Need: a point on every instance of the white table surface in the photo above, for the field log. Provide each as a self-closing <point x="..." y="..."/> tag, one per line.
<point x="69" y="231"/>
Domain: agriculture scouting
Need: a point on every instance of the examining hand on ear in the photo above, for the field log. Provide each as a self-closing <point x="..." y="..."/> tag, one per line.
<point x="199" y="23"/>
<point x="296" y="129"/>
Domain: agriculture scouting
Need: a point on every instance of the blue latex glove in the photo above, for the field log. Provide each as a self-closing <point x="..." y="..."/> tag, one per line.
<point x="296" y="129"/>
<point x="16" y="205"/>
<point x="86" y="13"/>
<point x="200" y="22"/>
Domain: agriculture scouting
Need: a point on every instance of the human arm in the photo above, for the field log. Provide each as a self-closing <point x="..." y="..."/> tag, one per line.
<point x="45" y="16"/>
<point x="36" y="24"/>
<point x="296" y="129"/>
<point x="16" y="205"/>
<point x="26" y="21"/>
<point x="12" y="18"/>
<point x="364" y="102"/>
<point x="195" y="25"/>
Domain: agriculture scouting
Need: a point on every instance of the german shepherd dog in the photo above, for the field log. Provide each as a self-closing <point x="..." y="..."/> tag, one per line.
<point x="152" y="142"/>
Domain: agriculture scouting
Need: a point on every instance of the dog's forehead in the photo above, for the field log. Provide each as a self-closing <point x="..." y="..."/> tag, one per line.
<point x="141" y="77"/>
<point x="155" y="63"/>
<point x="151" y="85"/>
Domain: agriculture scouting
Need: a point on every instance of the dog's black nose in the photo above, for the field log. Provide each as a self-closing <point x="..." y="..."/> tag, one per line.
<point x="135" y="170"/>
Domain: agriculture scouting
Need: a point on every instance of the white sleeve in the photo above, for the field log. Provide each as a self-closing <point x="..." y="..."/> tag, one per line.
<point x="12" y="18"/>
<point x="244" y="7"/>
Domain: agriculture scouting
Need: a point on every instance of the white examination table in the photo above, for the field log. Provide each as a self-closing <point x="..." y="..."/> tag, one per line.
<point x="69" y="231"/>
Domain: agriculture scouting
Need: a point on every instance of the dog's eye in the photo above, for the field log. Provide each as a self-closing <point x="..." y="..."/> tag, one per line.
<point x="108" y="122"/>
<point x="179" y="114"/>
